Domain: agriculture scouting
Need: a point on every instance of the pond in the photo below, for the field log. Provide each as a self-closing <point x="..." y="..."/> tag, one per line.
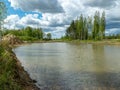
<point x="68" y="66"/>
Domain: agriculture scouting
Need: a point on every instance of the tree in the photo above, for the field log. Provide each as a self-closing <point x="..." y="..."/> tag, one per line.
<point x="71" y="31"/>
<point x="81" y="22"/>
<point x="3" y="12"/>
<point x="96" y="26"/>
<point x="77" y="29"/>
<point x="27" y="34"/>
<point x="89" y="22"/>
<point x="49" y="36"/>
<point x="102" y="26"/>
<point x="29" y="31"/>
<point x="95" y="32"/>
<point x="37" y="33"/>
<point x="87" y="28"/>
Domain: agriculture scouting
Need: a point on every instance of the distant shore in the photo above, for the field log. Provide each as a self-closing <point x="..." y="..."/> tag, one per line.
<point x="101" y="42"/>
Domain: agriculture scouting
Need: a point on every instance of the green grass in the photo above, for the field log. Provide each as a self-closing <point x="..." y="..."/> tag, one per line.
<point x="7" y="69"/>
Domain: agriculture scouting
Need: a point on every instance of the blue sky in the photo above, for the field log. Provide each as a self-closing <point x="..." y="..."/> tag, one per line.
<point x="54" y="16"/>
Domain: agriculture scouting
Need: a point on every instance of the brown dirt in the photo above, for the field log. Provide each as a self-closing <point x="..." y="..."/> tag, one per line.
<point x="12" y="39"/>
<point x="22" y="77"/>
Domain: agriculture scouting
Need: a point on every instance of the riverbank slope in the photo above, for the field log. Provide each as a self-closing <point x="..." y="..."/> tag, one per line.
<point x="12" y="74"/>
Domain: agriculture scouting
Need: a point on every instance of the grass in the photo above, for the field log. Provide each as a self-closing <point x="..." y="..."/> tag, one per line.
<point x="12" y="74"/>
<point x="103" y="42"/>
<point x="7" y="69"/>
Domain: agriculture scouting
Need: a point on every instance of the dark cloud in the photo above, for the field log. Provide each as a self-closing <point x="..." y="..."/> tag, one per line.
<point x="111" y="25"/>
<point x="101" y="3"/>
<point x="32" y="22"/>
<point x="45" y="6"/>
<point x="58" y="24"/>
<point x="113" y="31"/>
<point x="114" y="19"/>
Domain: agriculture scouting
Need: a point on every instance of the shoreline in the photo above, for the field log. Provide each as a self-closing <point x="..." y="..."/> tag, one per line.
<point x="102" y="42"/>
<point x="29" y="83"/>
<point x="101" y="86"/>
<point x="18" y="78"/>
<point x="24" y="78"/>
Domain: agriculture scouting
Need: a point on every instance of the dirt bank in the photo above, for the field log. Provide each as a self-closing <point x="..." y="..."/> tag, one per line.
<point x="23" y="77"/>
<point x="12" y="74"/>
<point x="12" y="39"/>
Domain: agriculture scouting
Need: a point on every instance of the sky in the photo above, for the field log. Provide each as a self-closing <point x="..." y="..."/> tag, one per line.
<point x="54" y="16"/>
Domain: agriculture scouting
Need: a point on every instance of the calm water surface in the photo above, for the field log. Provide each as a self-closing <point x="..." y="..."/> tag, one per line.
<point x="65" y="66"/>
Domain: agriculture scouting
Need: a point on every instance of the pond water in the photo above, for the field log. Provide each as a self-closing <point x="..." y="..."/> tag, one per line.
<point x="66" y="66"/>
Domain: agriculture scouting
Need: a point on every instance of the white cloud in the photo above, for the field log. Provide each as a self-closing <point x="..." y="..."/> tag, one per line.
<point x="56" y="19"/>
<point x="30" y="20"/>
<point x="10" y="21"/>
<point x="53" y="18"/>
<point x="14" y="21"/>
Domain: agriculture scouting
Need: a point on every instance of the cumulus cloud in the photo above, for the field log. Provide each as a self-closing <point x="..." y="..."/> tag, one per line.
<point x="45" y="6"/>
<point x="14" y="21"/>
<point x="11" y="21"/>
<point x="56" y="19"/>
<point x="30" y="20"/>
<point x="101" y="3"/>
<point x="57" y="14"/>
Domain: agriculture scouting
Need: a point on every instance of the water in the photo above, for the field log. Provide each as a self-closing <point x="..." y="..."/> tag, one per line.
<point x="65" y="66"/>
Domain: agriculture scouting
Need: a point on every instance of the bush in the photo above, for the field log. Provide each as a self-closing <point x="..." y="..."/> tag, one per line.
<point x="27" y="38"/>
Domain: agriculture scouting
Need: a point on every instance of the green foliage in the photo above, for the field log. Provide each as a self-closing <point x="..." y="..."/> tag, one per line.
<point x="7" y="69"/>
<point x="49" y="36"/>
<point x="113" y="36"/>
<point x="3" y="12"/>
<point x="87" y="28"/>
<point x="102" y="26"/>
<point x="27" y="34"/>
<point x="99" y="24"/>
<point x="27" y="38"/>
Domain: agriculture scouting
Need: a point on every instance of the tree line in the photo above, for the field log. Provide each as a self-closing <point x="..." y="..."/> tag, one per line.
<point x="87" y="28"/>
<point x="29" y="33"/>
<point x="113" y="36"/>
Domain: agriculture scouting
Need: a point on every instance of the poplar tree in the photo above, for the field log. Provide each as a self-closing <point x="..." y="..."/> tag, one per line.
<point x="87" y="28"/>
<point x="96" y="26"/>
<point x="102" y="25"/>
